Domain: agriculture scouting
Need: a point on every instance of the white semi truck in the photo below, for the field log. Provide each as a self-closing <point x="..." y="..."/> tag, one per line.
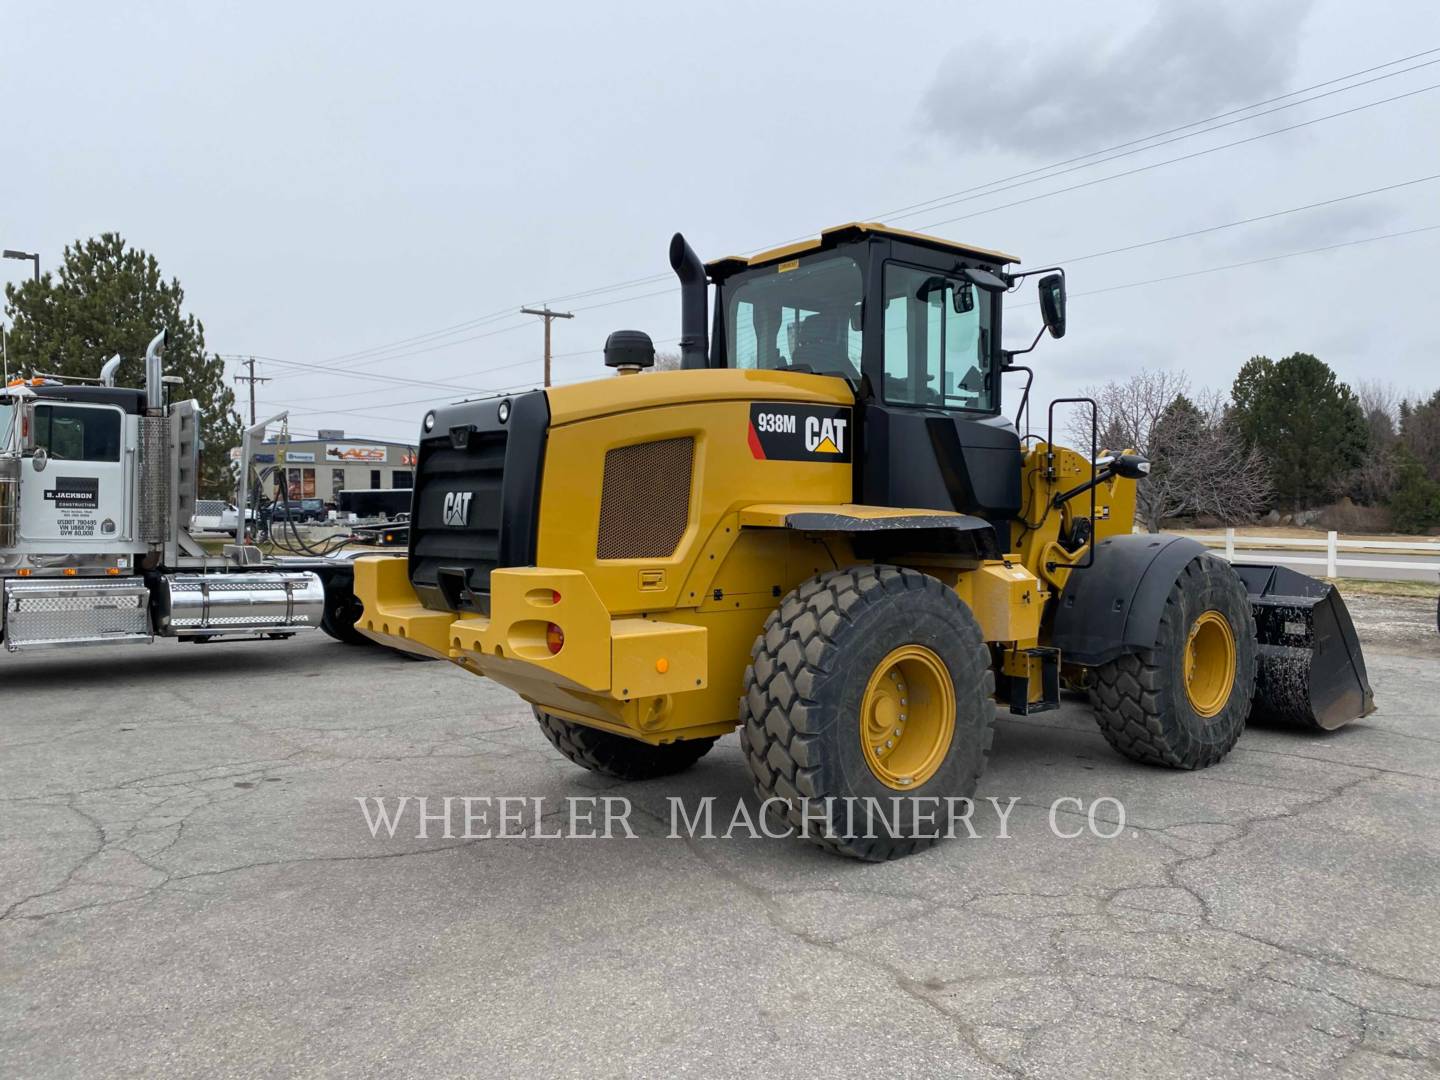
<point x="97" y="491"/>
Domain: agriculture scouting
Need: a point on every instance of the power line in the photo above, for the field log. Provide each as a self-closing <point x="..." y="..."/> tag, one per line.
<point x="1183" y="157"/>
<point x="1247" y="262"/>
<point x="1070" y="261"/>
<point x="947" y="199"/>
<point x="966" y="194"/>
<point x="389" y="379"/>
<point x="1245" y="221"/>
<point x="420" y="352"/>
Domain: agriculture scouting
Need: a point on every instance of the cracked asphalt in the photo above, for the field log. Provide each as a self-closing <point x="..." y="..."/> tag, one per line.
<point x="188" y="887"/>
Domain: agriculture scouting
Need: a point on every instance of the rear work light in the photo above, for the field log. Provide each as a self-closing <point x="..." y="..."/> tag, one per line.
<point x="554" y="638"/>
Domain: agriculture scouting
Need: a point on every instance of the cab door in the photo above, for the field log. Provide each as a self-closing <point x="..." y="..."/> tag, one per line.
<point x="933" y="434"/>
<point x="73" y="483"/>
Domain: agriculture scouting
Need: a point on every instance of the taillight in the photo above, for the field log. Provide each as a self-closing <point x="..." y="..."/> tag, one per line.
<point x="554" y="638"/>
<point x="554" y="596"/>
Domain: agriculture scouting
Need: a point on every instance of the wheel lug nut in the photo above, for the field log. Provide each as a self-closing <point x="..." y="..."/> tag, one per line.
<point x="889" y="743"/>
<point x="897" y="732"/>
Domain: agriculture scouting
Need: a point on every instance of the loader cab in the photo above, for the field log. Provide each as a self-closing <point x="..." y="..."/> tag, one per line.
<point x="913" y="324"/>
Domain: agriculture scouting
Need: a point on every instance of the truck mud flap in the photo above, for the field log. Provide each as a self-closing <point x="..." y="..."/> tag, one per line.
<point x="1311" y="672"/>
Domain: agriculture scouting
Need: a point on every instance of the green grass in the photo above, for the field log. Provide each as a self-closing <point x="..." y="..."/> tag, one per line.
<point x="1366" y="587"/>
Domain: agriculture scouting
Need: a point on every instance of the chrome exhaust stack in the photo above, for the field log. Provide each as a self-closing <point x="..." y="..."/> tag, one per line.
<point x="155" y="374"/>
<point x="107" y="372"/>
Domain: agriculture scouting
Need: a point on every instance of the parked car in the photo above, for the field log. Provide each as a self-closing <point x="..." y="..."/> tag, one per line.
<point x="298" y="510"/>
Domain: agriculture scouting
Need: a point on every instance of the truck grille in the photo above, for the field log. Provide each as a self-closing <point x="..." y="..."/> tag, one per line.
<point x="645" y="499"/>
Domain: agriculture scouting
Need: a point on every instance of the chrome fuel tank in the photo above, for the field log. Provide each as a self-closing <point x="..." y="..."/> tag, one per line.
<point x="188" y="605"/>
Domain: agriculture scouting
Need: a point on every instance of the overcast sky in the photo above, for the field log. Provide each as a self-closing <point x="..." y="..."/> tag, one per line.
<point x="329" y="178"/>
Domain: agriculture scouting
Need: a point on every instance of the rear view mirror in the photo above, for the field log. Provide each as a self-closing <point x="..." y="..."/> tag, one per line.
<point x="963" y="298"/>
<point x="1052" y="303"/>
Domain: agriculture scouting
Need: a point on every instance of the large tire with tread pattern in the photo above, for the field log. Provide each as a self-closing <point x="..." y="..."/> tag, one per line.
<point x="801" y="715"/>
<point x="618" y="756"/>
<point x="342" y="608"/>
<point x="1140" y="699"/>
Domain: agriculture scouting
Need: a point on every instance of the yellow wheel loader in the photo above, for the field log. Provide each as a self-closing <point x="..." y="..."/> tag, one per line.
<point x="823" y="530"/>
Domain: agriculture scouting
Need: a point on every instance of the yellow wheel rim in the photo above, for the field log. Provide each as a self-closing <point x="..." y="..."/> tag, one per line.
<point x="1209" y="663"/>
<point x="907" y="717"/>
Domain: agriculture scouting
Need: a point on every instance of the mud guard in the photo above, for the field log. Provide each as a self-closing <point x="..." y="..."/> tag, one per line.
<point x="1114" y="606"/>
<point x="1311" y="672"/>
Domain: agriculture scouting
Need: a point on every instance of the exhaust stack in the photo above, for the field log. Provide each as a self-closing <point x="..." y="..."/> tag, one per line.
<point x="694" y="304"/>
<point x="107" y="372"/>
<point x="155" y="373"/>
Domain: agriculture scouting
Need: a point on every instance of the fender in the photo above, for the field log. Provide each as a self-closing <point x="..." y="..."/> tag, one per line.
<point x="1114" y="606"/>
<point x="882" y="530"/>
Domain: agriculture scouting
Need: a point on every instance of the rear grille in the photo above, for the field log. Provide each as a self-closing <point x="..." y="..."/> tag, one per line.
<point x="645" y="500"/>
<point x="476" y="471"/>
<point x="476" y="503"/>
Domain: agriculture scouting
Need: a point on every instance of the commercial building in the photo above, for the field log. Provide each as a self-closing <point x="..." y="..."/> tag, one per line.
<point x="322" y="468"/>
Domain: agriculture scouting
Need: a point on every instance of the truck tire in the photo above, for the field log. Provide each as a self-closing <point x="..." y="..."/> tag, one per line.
<point x="1184" y="702"/>
<point x="618" y="756"/>
<point x="870" y="683"/>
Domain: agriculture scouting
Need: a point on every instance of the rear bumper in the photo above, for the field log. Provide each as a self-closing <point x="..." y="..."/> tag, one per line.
<point x="616" y="673"/>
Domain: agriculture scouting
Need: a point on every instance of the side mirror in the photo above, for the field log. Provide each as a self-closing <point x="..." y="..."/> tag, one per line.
<point x="1052" y="303"/>
<point x="1130" y="466"/>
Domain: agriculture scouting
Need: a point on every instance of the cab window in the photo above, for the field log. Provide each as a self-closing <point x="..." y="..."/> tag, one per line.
<point x="78" y="433"/>
<point x="937" y="341"/>
<point x="802" y="315"/>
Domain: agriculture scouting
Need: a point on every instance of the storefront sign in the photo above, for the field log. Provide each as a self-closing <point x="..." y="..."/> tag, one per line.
<point x="355" y="452"/>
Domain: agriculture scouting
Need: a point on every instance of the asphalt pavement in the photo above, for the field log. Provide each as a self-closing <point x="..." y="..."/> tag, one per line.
<point x="189" y="886"/>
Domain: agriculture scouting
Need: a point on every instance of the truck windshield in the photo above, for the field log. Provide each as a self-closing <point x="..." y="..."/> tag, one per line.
<point x="801" y="315"/>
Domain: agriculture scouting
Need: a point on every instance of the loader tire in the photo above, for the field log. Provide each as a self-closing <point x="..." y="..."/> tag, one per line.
<point x="846" y="655"/>
<point x="618" y="756"/>
<point x="342" y="609"/>
<point x="1184" y="702"/>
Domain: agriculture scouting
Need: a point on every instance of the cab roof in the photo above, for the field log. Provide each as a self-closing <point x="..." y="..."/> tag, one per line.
<point x="840" y="234"/>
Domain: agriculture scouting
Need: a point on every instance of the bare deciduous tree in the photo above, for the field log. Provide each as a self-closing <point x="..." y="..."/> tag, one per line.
<point x="1375" y="478"/>
<point x="667" y="361"/>
<point x="1199" y="463"/>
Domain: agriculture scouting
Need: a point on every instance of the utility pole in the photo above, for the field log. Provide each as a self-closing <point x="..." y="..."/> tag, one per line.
<point x="252" y="379"/>
<point x="548" y="315"/>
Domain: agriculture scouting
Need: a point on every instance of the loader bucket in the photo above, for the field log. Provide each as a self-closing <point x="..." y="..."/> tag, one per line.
<point x="1311" y="672"/>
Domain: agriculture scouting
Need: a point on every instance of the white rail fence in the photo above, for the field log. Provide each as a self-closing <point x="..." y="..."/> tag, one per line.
<point x="1332" y="547"/>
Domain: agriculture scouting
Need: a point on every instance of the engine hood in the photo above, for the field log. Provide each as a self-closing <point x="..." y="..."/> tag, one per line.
<point x="659" y="389"/>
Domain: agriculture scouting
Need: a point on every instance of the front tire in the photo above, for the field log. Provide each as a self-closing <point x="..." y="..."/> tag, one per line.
<point x="618" y="756"/>
<point x="1184" y="703"/>
<point x="870" y="683"/>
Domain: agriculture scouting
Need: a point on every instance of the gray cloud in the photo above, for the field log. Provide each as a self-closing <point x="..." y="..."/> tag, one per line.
<point x="1189" y="60"/>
